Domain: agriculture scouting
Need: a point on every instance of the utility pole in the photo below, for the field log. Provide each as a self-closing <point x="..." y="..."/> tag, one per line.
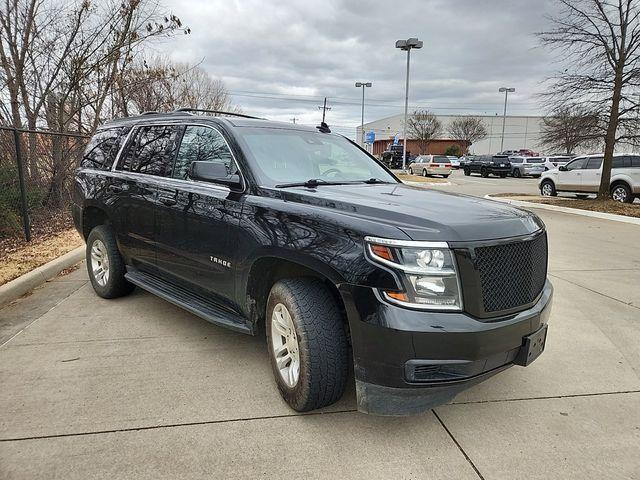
<point x="506" y="91"/>
<point x="407" y="45"/>
<point x="324" y="108"/>
<point x="362" y="85"/>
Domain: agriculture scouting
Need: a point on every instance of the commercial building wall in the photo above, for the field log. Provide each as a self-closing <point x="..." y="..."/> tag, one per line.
<point x="520" y="132"/>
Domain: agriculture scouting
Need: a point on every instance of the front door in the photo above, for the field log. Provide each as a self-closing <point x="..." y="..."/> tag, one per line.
<point x="571" y="178"/>
<point x="195" y="221"/>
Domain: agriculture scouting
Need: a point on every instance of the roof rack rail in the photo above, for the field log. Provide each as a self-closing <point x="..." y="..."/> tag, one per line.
<point x="150" y="112"/>
<point x="217" y="112"/>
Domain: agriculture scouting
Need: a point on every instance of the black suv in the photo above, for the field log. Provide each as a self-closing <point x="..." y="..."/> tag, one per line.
<point x="486" y="165"/>
<point x="392" y="157"/>
<point x="271" y="227"/>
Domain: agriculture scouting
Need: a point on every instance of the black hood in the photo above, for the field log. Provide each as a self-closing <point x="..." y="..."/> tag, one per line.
<point x="421" y="213"/>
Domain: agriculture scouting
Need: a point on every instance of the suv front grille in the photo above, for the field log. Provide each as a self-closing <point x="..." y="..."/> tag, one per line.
<point x="511" y="274"/>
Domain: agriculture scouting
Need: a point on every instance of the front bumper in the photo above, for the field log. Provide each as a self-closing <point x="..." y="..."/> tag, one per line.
<point x="408" y="361"/>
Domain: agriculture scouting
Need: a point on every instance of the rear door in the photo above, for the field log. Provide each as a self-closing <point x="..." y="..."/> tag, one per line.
<point x="571" y="179"/>
<point x="197" y="221"/>
<point x="147" y="157"/>
<point x="591" y="175"/>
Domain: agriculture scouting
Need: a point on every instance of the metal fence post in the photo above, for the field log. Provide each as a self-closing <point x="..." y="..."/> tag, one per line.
<point x="23" y="188"/>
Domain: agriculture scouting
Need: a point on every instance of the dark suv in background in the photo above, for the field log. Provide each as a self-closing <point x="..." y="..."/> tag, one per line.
<point x="486" y="165"/>
<point x="299" y="234"/>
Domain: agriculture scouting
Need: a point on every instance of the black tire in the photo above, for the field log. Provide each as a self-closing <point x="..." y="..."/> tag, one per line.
<point x="484" y="173"/>
<point x="467" y="171"/>
<point x="516" y="173"/>
<point x="410" y="171"/>
<point x="445" y="176"/>
<point x="116" y="285"/>
<point x="625" y="195"/>
<point x="551" y="190"/>
<point x="424" y="172"/>
<point x="322" y="343"/>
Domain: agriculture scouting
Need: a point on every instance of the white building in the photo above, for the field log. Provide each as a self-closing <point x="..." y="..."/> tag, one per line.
<point x="519" y="132"/>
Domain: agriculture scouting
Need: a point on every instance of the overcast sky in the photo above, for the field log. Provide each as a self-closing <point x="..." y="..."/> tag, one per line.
<point x="279" y="58"/>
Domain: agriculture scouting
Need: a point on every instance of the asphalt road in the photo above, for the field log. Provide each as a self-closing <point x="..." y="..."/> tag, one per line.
<point x="137" y="388"/>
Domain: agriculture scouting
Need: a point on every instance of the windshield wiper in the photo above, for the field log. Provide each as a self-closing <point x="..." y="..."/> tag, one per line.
<point x="375" y="180"/>
<point x="311" y="183"/>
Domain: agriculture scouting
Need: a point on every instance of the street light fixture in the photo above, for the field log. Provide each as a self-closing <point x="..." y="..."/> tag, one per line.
<point x="363" y="85"/>
<point x="407" y="45"/>
<point x="506" y="91"/>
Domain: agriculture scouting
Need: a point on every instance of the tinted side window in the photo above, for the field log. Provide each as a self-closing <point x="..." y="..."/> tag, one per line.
<point x="621" y="162"/>
<point x="199" y="144"/>
<point x="152" y="151"/>
<point x="594" y="163"/>
<point x="103" y="148"/>
<point x="577" y="164"/>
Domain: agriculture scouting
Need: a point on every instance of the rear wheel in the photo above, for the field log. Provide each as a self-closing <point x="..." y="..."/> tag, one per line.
<point x="105" y="264"/>
<point x="621" y="192"/>
<point x="410" y="171"/>
<point x="424" y="173"/>
<point x="307" y="343"/>
<point x="548" y="189"/>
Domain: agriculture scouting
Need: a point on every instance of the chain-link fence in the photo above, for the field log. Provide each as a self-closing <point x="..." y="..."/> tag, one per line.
<point x="36" y="178"/>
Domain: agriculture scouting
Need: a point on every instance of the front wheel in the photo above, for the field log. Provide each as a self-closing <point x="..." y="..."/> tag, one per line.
<point x="467" y="172"/>
<point x="484" y="173"/>
<point x="548" y="189"/>
<point x="424" y="173"/>
<point x="105" y="264"/>
<point x="516" y="173"/>
<point x="307" y="343"/>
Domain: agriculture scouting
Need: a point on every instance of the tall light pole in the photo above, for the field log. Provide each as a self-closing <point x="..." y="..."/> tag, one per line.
<point x="506" y="91"/>
<point x="363" y="85"/>
<point x="407" y="45"/>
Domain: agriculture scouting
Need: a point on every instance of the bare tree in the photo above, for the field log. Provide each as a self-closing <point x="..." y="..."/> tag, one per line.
<point x="570" y="128"/>
<point x="598" y="45"/>
<point x="467" y="129"/>
<point x="423" y="126"/>
<point x="160" y="85"/>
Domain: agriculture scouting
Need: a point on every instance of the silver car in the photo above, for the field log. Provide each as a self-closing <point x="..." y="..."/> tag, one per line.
<point x="526" y="166"/>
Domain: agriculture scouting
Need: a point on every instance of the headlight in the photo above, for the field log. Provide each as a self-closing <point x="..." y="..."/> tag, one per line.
<point x="427" y="271"/>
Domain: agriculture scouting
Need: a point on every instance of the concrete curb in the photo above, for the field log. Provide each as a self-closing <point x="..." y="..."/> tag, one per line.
<point x="27" y="282"/>
<point x="573" y="211"/>
<point x="421" y="184"/>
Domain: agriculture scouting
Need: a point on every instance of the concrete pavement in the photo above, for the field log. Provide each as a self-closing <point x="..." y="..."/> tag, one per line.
<point x="137" y="388"/>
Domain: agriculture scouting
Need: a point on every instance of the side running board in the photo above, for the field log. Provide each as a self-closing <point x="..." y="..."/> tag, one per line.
<point x="192" y="302"/>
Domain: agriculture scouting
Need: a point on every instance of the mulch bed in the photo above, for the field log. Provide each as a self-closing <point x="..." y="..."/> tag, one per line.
<point x="43" y="226"/>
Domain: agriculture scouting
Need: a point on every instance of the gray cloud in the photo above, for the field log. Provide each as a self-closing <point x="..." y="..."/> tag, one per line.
<point x="296" y="52"/>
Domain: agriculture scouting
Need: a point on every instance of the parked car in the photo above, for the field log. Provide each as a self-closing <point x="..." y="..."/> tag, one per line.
<point x="466" y="158"/>
<point x="526" y="166"/>
<point x="427" y="165"/>
<point x="554" y="161"/>
<point x="487" y="165"/>
<point x="582" y="177"/>
<point x="272" y="227"/>
<point x="392" y="157"/>
<point x="455" y="161"/>
<point x="508" y="152"/>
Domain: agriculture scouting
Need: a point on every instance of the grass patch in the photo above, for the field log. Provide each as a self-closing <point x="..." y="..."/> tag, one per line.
<point x="18" y="261"/>
<point x="593" y="205"/>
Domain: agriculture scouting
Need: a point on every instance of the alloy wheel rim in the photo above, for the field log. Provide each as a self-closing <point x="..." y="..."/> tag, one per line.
<point x="99" y="263"/>
<point x="546" y="190"/>
<point x="285" y="345"/>
<point x="619" y="194"/>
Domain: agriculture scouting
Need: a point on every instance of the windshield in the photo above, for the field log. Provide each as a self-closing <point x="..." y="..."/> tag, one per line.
<point x="280" y="156"/>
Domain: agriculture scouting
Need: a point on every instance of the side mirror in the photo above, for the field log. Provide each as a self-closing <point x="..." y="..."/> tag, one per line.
<point x="562" y="168"/>
<point x="214" y="172"/>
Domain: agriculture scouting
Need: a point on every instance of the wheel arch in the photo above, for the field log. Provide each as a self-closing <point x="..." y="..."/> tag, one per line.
<point x="92" y="216"/>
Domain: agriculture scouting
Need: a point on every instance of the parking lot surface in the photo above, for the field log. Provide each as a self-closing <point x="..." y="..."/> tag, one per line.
<point x="138" y="388"/>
